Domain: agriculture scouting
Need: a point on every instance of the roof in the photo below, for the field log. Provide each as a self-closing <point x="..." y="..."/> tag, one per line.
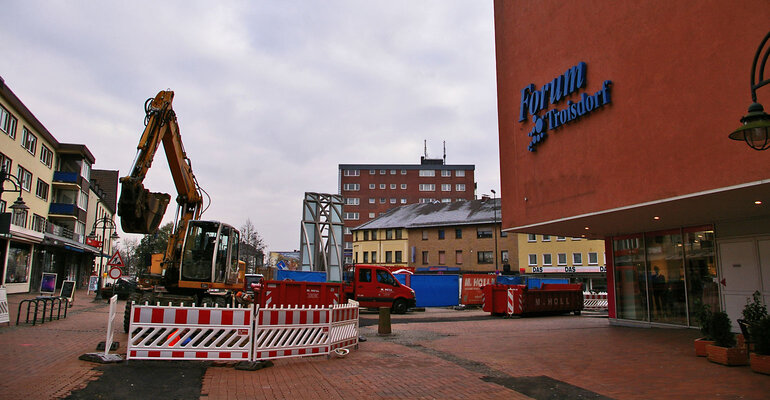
<point x="107" y="182"/>
<point x="408" y="166"/>
<point x="471" y="212"/>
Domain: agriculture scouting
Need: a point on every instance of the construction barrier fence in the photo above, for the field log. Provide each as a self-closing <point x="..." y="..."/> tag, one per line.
<point x="595" y="301"/>
<point x="240" y="334"/>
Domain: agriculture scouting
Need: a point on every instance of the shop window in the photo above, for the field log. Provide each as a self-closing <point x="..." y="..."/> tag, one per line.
<point x="17" y="267"/>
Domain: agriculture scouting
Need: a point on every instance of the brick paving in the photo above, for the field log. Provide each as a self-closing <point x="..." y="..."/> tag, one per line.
<point x="439" y="354"/>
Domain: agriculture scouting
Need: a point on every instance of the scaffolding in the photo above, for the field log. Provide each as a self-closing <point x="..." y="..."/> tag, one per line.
<point x="321" y="235"/>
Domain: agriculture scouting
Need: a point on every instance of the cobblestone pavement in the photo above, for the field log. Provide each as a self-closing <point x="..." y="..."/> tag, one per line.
<point x="436" y="354"/>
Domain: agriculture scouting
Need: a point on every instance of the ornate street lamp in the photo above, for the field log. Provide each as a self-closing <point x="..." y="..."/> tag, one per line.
<point x="106" y="223"/>
<point x="755" y="128"/>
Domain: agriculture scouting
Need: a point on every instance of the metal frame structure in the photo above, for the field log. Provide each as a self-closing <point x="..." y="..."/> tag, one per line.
<point x="321" y="234"/>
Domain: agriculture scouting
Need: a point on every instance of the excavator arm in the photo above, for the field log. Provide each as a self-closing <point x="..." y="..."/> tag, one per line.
<point x="140" y="210"/>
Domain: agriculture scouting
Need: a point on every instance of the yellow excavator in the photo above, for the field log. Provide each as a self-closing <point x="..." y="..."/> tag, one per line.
<point x="200" y="264"/>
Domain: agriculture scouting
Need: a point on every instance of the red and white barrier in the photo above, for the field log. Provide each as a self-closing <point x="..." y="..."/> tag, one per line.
<point x="594" y="301"/>
<point x="191" y="333"/>
<point x="344" y="326"/>
<point x="515" y="301"/>
<point x="291" y="332"/>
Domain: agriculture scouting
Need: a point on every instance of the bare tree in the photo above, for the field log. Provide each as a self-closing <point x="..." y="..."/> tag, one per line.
<point x="127" y="247"/>
<point x="252" y="246"/>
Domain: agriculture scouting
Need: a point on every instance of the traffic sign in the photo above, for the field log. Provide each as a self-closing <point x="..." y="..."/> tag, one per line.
<point x="116" y="260"/>
<point x="115" y="273"/>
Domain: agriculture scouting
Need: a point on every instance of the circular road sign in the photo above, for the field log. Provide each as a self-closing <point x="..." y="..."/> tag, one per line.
<point x="114" y="273"/>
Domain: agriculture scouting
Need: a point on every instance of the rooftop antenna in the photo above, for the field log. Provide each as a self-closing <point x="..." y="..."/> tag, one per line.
<point x="445" y="152"/>
<point x="425" y="144"/>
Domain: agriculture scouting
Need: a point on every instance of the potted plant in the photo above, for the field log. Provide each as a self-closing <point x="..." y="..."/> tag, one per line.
<point x="704" y="315"/>
<point x="760" y="335"/>
<point x="753" y="312"/>
<point x="723" y="351"/>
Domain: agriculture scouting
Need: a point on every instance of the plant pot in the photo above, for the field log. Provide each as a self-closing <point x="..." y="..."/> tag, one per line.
<point x="760" y="363"/>
<point x="727" y="355"/>
<point x="700" y="346"/>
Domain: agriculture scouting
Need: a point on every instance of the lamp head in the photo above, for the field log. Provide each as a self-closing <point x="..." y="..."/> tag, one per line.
<point x="19" y="205"/>
<point x="755" y="130"/>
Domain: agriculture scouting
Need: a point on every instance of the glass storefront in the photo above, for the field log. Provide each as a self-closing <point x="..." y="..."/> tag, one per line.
<point x="660" y="275"/>
<point x="17" y="270"/>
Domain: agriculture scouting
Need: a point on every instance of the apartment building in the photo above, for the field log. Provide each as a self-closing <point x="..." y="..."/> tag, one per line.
<point x="54" y="183"/>
<point x="462" y="237"/>
<point x="372" y="189"/>
<point x="579" y="259"/>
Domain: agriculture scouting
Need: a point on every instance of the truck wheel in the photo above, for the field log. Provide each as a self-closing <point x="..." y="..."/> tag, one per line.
<point x="220" y="301"/>
<point x="133" y="297"/>
<point x="399" y="307"/>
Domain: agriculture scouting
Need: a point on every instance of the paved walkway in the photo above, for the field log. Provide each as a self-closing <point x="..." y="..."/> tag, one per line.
<point x="440" y="353"/>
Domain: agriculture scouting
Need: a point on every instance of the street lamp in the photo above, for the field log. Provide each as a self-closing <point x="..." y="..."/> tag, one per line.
<point x="755" y="128"/>
<point x="106" y="223"/>
<point x="18" y="205"/>
<point x="494" y="228"/>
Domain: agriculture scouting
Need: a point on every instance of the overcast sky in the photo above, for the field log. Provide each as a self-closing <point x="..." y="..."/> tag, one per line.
<point x="270" y="95"/>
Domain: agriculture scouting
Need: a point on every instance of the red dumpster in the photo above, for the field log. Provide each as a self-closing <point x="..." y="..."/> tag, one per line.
<point x="293" y="293"/>
<point x="496" y="297"/>
<point x="518" y="300"/>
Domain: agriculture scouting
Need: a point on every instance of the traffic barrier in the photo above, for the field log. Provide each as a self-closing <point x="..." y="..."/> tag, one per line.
<point x="190" y="333"/>
<point x="344" y="326"/>
<point x="291" y="332"/>
<point x="595" y="301"/>
<point x="5" y="315"/>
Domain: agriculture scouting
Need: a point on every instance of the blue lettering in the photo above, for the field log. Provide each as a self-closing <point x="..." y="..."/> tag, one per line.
<point x="606" y="91"/>
<point x="525" y="101"/>
<point x="574" y="78"/>
<point x="556" y="89"/>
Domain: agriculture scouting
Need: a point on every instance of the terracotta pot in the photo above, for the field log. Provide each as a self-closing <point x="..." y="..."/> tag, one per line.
<point x="700" y="346"/>
<point x="760" y="363"/>
<point x="727" y="355"/>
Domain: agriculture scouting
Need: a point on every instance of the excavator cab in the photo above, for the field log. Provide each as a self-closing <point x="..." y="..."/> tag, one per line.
<point x="210" y="253"/>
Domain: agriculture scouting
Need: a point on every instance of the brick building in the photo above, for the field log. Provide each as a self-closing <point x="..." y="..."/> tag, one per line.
<point x="458" y="236"/>
<point x="372" y="189"/>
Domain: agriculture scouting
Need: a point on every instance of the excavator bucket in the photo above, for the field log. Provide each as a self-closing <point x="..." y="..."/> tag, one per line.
<point x="140" y="210"/>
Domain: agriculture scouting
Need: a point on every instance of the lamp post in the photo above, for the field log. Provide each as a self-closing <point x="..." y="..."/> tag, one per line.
<point x="494" y="228"/>
<point x="18" y="205"/>
<point x="106" y="223"/>
<point x="755" y="128"/>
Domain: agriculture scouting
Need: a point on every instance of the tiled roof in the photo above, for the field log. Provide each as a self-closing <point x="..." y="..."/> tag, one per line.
<point x="437" y="214"/>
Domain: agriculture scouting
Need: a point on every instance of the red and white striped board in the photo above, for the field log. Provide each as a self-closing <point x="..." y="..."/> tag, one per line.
<point x="515" y="301"/>
<point x="292" y="316"/>
<point x="291" y="332"/>
<point x="595" y="301"/>
<point x="344" y="326"/>
<point x="191" y="333"/>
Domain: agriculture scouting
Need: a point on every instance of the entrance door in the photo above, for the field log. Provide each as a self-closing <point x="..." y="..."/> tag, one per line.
<point x="741" y="273"/>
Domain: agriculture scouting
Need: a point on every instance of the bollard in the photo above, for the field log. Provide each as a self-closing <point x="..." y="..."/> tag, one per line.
<point x="384" y="326"/>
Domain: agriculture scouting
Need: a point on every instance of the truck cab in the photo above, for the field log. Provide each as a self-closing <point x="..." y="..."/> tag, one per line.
<point x="375" y="286"/>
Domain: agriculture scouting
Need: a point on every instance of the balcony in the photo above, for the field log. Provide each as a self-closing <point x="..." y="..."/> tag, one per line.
<point x="68" y="180"/>
<point x="63" y="209"/>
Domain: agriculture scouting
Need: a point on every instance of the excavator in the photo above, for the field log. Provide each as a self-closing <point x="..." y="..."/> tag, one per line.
<point x="200" y="264"/>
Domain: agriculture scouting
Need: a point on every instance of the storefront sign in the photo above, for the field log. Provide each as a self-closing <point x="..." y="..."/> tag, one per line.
<point x="571" y="81"/>
<point x="568" y="270"/>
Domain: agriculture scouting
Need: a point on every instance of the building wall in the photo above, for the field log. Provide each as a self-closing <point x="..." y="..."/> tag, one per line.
<point x="679" y="73"/>
<point x="540" y="245"/>
<point x="380" y="246"/>
<point x="469" y="244"/>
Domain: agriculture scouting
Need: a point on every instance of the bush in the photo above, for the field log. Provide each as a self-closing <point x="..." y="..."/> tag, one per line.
<point x="760" y="335"/>
<point x="704" y="315"/>
<point x="722" y="330"/>
<point x="754" y="310"/>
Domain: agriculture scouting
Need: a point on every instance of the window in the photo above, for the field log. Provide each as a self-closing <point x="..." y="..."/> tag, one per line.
<point x="393" y="201"/>
<point x="532" y="259"/>
<point x="399" y="234"/>
<point x="427" y="172"/>
<point x="29" y="141"/>
<point x="352" y="172"/>
<point x="403" y="201"/>
<point x="5" y="163"/>
<point x="503" y="234"/>
<point x="460" y="173"/>
<point x="445" y="200"/>
<point x="446" y="187"/>
<point x="8" y="123"/>
<point x="399" y="256"/>
<point x="24" y="177"/>
<point x="504" y="256"/>
<point x="383" y="172"/>
<point x="460" y="187"/>
<point x="546" y="238"/>
<point x="366" y="257"/>
<point x="441" y="257"/>
<point x="372" y="200"/>
<point x="383" y="200"/>
<point x="458" y="256"/>
<point x="403" y="172"/>
<point x="383" y="186"/>
<point x="483" y="233"/>
<point x="561" y="258"/>
<point x="593" y="258"/>
<point x="366" y="235"/>
<point x="403" y="186"/>
<point x="351" y="186"/>
<point x="446" y="173"/>
<point x="547" y="259"/>
<point x="560" y="238"/>
<point x="19" y="218"/>
<point x="425" y="200"/>
<point x="46" y="155"/>
<point x="577" y="258"/>
<point x="440" y="234"/>
<point x="425" y="257"/>
<point x="351" y="215"/>
<point x="575" y="238"/>
<point x="427" y="187"/>
<point x="41" y="190"/>
<point x="38" y="223"/>
<point x="392" y="171"/>
<point x="374" y="234"/>
<point x="485" y="257"/>
<point x="372" y="171"/>
<point x="83" y="201"/>
<point x="17" y="268"/>
<point x="388" y="234"/>
<point x="458" y="233"/>
<point x="374" y="256"/>
<point x="531" y="237"/>
<point x="393" y="186"/>
<point x="352" y="201"/>
<point x="364" y="275"/>
<point x="388" y="257"/>
<point x="371" y="215"/>
<point x="372" y="186"/>
<point x="424" y="235"/>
